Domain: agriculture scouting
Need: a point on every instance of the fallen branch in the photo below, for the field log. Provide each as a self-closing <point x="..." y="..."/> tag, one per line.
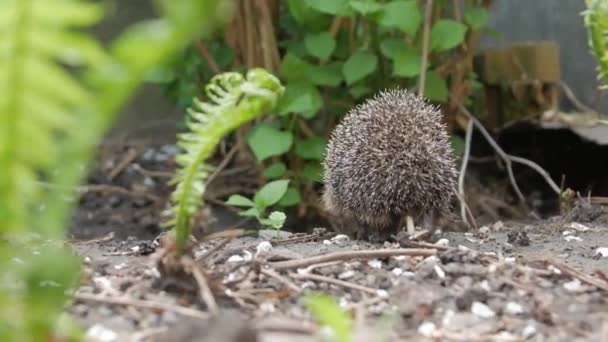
<point x="507" y="158"/>
<point x="591" y="280"/>
<point x="463" y="171"/>
<point x="203" y="287"/>
<point x="144" y="304"/>
<point x="348" y="255"/>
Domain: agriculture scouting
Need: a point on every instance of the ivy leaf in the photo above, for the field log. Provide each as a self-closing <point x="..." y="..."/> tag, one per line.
<point x="302" y="98"/>
<point x="447" y="34"/>
<point x="311" y="148"/>
<point x="365" y="7"/>
<point x="407" y="62"/>
<point x="270" y="193"/>
<point x="436" y="88"/>
<point x="476" y="17"/>
<point x="275" y="170"/>
<point x="240" y="201"/>
<point x="326" y="74"/>
<point x="358" y="66"/>
<point x="267" y="141"/>
<point x="402" y="14"/>
<point x="291" y="197"/>
<point x="320" y="45"/>
<point x="333" y="7"/>
<point x="312" y="171"/>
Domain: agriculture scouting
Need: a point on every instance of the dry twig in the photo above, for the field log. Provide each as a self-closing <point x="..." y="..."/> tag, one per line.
<point x="126" y="160"/>
<point x="203" y="286"/>
<point x="425" y="45"/>
<point x="308" y="276"/>
<point x="271" y="273"/>
<point x="507" y="158"/>
<point x="144" y="304"/>
<point x="348" y="255"/>
<point x="463" y="171"/>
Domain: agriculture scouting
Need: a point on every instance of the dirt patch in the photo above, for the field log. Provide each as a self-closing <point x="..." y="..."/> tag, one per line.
<point x="512" y="281"/>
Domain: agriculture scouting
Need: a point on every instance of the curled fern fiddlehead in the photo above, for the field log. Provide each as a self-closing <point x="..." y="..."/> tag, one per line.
<point x="233" y="101"/>
<point x="596" y="20"/>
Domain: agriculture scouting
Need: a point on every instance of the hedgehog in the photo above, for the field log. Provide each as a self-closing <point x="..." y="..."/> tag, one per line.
<point x="389" y="163"/>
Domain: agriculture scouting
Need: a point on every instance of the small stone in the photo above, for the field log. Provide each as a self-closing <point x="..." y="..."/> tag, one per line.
<point x="528" y="331"/>
<point x="397" y="271"/>
<point x="375" y="263"/>
<point x="235" y="258"/>
<point x="120" y="266"/>
<point x="570" y="238"/>
<point x="346" y="274"/>
<point x="481" y="310"/>
<point x="578" y="227"/>
<point x="427" y="329"/>
<point x="442" y="243"/>
<point x="514" y="309"/>
<point x="340" y="238"/>
<point x="326" y="242"/>
<point x="263" y="247"/>
<point x="439" y="271"/>
<point x="102" y="334"/>
<point x="602" y="252"/>
<point x="573" y="286"/>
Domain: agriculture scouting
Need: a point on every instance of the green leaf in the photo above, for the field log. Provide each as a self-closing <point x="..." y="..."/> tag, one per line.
<point x="320" y="45"/>
<point x="436" y="88"/>
<point x="312" y="171"/>
<point x="326" y="311"/>
<point x="391" y="45"/>
<point x="275" y="170"/>
<point x="311" y="148"/>
<point x="267" y="141"/>
<point x="276" y="219"/>
<point x="293" y="68"/>
<point x="407" y="62"/>
<point x="476" y="17"/>
<point x="333" y="7"/>
<point x="302" y="98"/>
<point x="240" y="201"/>
<point x="447" y="34"/>
<point x="402" y="14"/>
<point x="359" y="91"/>
<point x="270" y="193"/>
<point x="251" y="212"/>
<point x="291" y="197"/>
<point x="365" y="7"/>
<point x="458" y="145"/>
<point x="326" y="74"/>
<point x="358" y="66"/>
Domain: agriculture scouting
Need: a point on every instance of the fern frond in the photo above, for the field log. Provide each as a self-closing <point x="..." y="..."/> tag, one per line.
<point x="596" y="20"/>
<point x="233" y="101"/>
<point x="39" y="97"/>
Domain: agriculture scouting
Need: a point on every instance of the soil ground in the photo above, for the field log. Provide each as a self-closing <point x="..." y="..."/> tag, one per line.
<point x="543" y="280"/>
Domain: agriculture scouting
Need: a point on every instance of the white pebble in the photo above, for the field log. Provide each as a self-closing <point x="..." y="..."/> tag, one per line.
<point x="510" y="260"/>
<point x="340" y="238"/>
<point x="263" y="247"/>
<point x="567" y="232"/>
<point x="375" y="263"/>
<point x="482" y="310"/>
<point x="235" y="258"/>
<point x="346" y="274"/>
<point x="427" y="329"/>
<point x="573" y="238"/>
<point x="497" y="226"/>
<point x="326" y="242"/>
<point x="135" y="249"/>
<point x="579" y="227"/>
<point x="485" y="285"/>
<point x="120" y="266"/>
<point x="102" y="334"/>
<point x="529" y="331"/>
<point x="463" y="248"/>
<point x="554" y="269"/>
<point x="442" y="243"/>
<point x="573" y="285"/>
<point x="267" y="307"/>
<point x="484" y="229"/>
<point x="439" y="271"/>
<point x="382" y="293"/>
<point x="602" y="251"/>
<point x="397" y="271"/>
<point x="513" y="308"/>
